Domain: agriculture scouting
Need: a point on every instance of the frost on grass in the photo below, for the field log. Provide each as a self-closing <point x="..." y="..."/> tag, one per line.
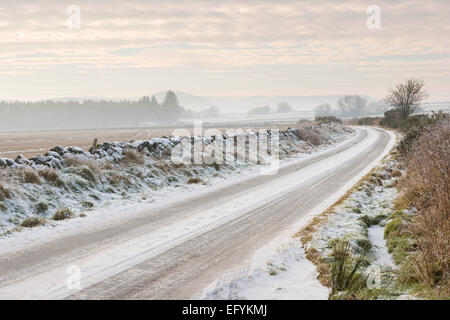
<point x="357" y="222"/>
<point x="42" y="187"/>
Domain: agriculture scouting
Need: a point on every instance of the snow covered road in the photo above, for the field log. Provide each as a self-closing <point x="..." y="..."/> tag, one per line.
<point x="175" y="249"/>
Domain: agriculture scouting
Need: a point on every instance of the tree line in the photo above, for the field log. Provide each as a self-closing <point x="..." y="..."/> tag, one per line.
<point x="403" y="99"/>
<point x="282" y="107"/>
<point x="351" y="106"/>
<point x="50" y="114"/>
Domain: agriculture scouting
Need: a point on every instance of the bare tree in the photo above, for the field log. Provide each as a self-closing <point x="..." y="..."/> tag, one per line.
<point x="284" y="107"/>
<point x="359" y="105"/>
<point x="260" y="110"/>
<point x="322" y="110"/>
<point x="345" y="104"/>
<point x="406" y="96"/>
<point x="352" y="105"/>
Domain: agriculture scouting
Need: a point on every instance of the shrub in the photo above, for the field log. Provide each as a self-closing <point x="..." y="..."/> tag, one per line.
<point x="391" y="119"/>
<point x="408" y="140"/>
<point x="427" y="180"/>
<point x="62" y="214"/>
<point x="328" y="119"/>
<point x="260" y="110"/>
<point x="368" y="121"/>
<point x="416" y="122"/>
<point x="415" y="128"/>
<point x="312" y="136"/>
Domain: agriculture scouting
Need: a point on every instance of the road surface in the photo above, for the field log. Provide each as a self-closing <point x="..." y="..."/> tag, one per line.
<point x="177" y="249"/>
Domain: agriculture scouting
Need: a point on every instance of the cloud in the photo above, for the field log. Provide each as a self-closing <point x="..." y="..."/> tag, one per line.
<point x="226" y="34"/>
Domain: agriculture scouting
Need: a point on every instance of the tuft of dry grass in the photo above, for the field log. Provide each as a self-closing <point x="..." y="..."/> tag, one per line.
<point x="323" y="271"/>
<point x="194" y="180"/>
<point x="42" y="207"/>
<point x="84" y="172"/>
<point x="131" y="156"/>
<point x="306" y="233"/>
<point x="345" y="268"/>
<point x="105" y="165"/>
<point x="29" y="175"/>
<point x="51" y="176"/>
<point x="313" y="136"/>
<point x="4" y="193"/>
<point x="32" y="222"/>
<point x="81" y="161"/>
<point x="62" y="214"/>
<point x="163" y="166"/>
<point x="115" y="179"/>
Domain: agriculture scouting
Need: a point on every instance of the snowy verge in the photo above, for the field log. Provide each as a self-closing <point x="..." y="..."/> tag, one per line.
<point x="359" y="218"/>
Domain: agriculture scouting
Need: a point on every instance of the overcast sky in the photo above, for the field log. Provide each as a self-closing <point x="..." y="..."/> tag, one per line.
<point x="221" y="48"/>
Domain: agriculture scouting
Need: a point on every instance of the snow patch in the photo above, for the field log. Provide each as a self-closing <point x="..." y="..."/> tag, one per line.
<point x="286" y="275"/>
<point x="382" y="256"/>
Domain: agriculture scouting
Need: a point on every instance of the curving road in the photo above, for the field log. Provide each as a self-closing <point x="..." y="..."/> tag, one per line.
<point x="176" y="249"/>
